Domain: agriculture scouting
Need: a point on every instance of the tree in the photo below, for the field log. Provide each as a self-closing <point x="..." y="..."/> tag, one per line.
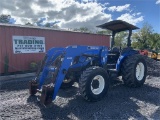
<point x="146" y="39"/>
<point x="104" y="32"/>
<point x="5" y="18"/>
<point x="82" y="29"/>
<point x="29" y="24"/>
<point x="47" y="25"/>
<point x="50" y="25"/>
<point x="143" y="37"/>
<point x="121" y="39"/>
<point x="55" y="26"/>
<point x="154" y="41"/>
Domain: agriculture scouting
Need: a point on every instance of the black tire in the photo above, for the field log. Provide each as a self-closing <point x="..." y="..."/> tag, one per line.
<point x="66" y="85"/>
<point x="86" y="81"/>
<point x="128" y="70"/>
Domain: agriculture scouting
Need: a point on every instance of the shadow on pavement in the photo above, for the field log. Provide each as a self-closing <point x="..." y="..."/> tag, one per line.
<point x="15" y="84"/>
<point x="120" y="103"/>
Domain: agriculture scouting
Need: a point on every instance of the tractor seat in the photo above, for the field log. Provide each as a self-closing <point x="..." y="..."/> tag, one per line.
<point x="116" y="50"/>
<point x="113" y="55"/>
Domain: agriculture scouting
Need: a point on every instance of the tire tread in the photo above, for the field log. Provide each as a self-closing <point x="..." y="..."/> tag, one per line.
<point x="127" y="70"/>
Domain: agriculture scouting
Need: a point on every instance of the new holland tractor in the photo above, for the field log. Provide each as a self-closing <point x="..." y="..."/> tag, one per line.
<point x="90" y="66"/>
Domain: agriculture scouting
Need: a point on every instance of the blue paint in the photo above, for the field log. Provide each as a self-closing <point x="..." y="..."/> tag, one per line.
<point x="123" y="56"/>
<point x="86" y="54"/>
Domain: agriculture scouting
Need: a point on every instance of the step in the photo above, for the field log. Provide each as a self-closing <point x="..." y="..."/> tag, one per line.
<point x="112" y="54"/>
<point x="113" y="70"/>
<point x="111" y="66"/>
<point x="113" y="73"/>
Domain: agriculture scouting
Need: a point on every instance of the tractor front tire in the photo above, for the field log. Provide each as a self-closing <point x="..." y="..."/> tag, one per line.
<point x="94" y="83"/>
<point x="67" y="83"/>
<point x="134" y="71"/>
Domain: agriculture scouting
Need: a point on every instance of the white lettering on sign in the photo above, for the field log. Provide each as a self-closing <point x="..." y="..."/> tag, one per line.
<point x="28" y="44"/>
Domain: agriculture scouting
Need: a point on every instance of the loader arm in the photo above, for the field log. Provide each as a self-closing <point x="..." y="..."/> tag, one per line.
<point x="51" y="55"/>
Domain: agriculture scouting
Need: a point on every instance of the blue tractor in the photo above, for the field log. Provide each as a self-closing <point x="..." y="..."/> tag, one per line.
<point x="90" y="66"/>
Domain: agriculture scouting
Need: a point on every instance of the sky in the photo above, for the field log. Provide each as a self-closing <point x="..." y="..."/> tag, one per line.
<point x="70" y="14"/>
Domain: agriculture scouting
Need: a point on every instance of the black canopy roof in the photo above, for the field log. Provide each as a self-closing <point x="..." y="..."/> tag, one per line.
<point x="117" y="26"/>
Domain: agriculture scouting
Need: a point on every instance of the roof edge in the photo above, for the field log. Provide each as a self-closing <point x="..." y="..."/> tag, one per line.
<point x="45" y="28"/>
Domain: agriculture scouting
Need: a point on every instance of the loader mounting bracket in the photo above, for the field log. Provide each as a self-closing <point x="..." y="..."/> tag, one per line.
<point x="33" y="86"/>
<point x="46" y="95"/>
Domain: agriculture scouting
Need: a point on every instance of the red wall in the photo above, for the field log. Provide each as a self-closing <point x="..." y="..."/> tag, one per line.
<point x="53" y="38"/>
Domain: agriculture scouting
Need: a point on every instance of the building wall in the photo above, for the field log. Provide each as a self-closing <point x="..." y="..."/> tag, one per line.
<point x="53" y="38"/>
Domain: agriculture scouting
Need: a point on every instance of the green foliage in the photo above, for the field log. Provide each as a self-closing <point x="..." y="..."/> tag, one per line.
<point x="146" y="39"/>
<point x="33" y="66"/>
<point x="55" y="26"/>
<point x="82" y="29"/>
<point x="154" y="41"/>
<point x="104" y="32"/>
<point x="29" y="24"/>
<point x="121" y="39"/>
<point x="142" y="37"/>
<point x="49" y="25"/>
<point x="5" y="18"/>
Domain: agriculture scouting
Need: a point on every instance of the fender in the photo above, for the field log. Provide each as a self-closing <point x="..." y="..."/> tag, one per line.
<point x="123" y="56"/>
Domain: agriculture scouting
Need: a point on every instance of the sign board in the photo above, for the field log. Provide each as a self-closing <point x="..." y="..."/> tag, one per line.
<point x="28" y="44"/>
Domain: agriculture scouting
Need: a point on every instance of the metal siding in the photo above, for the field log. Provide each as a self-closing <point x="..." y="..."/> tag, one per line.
<point x="8" y="46"/>
<point x="3" y="47"/>
<point x="0" y="50"/>
<point x="20" y="62"/>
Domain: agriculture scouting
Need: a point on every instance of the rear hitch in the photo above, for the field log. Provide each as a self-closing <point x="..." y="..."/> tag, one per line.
<point x="33" y="86"/>
<point x="46" y="95"/>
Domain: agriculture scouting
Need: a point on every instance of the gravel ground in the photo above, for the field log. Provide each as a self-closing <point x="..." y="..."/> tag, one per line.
<point x="120" y="103"/>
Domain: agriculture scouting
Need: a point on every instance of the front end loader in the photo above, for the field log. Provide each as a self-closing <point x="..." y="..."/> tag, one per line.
<point x="65" y="63"/>
<point x="91" y="66"/>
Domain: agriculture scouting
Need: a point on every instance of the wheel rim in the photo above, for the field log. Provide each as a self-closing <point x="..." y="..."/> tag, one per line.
<point x="101" y="83"/>
<point x="140" y="71"/>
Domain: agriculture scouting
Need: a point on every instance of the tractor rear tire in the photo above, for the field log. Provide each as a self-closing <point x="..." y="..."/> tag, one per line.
<point x="94" y="83"/>
<point x="134" y="71"/>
